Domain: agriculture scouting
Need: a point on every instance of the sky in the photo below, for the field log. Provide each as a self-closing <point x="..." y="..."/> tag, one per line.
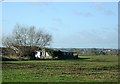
<point x="60" y="0"/>
<point x="0" y="24"/>
<point x="72" y="24"/>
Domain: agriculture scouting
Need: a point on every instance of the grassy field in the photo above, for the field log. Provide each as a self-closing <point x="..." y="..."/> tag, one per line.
<point x="85" y="69"/>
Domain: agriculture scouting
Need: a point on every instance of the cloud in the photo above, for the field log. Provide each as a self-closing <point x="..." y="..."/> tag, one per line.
<point x="105" y="11"/>
<point x="116" y="27"/>
<point x="101" y="8"/>
<point x="55" y="29"/>
<point x="41" y="3"/>
<point x="61" y="0"/>
<point x="92" y="37"/>
<point x="26" y="0"/>
<point x="84" y="14"/>
<point x="58" y="21"/>
<point x="1" y="0"/>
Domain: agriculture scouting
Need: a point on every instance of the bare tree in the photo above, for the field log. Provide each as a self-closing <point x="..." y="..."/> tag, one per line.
<point x="26" y="36"/>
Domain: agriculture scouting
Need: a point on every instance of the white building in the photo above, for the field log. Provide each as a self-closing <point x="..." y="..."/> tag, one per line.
<point x="42" y="54"/>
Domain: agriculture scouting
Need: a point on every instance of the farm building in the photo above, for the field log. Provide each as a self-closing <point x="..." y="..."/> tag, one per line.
<point x="42" y="54"/>
<point x="53" y="54"/>
<point x="67" y="54"/>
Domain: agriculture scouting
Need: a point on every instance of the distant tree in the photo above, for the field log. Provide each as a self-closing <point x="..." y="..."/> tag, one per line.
<point x="24" y="36"/>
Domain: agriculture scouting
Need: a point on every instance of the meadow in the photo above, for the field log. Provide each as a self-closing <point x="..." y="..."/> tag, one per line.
<point x="85" y="69"/>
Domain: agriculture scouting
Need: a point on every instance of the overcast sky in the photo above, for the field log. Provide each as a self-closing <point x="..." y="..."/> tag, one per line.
<point x="72" y="24"/>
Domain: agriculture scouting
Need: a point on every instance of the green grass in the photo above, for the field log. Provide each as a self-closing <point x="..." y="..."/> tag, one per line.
<point x="85" y="69"/>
